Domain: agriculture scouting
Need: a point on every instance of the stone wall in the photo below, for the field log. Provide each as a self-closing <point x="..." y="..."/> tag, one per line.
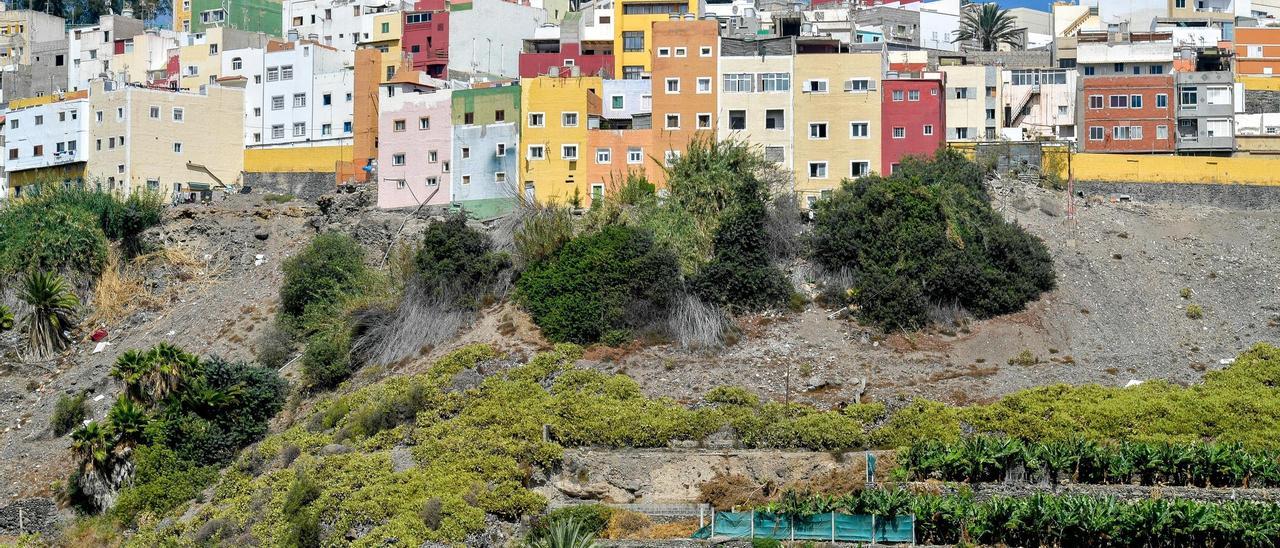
<point x="1225" y="196"/>
<point x="29" y="516"/>
<point x="305" y="185"/>
<point x="1261" y="101"/>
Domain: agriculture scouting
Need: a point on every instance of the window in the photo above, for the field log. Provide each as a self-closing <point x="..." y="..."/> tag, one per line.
<point x="537" y="119"/>
<point x="960" y="93"/>
<point x="277" y="102"/>
<point x="859" y="168"/>
<point x="1162" y="100"/>
<point x="499" y="115"/>
<point x="633" y="40"/>
<point x="177" y="147"/>
<point x="1218" y="128"/>
<point x="569" y="119"/>
<point x="899" y="133"/>
<point x="673" y="121"/>
<point x="569" y="152"/>
<point x="498" y="177"/>
<point x="928" y="130"/>
<point x="740" y="82"/>
<point x="111" y="142"/>
<point x="346" y="127"/>
<point x="466" y="152"/>
<point x="664" y="52"/>
<point x="468" y="118"/>
<point x="213" y="49"/>
<point x="815" y="86"/>
<point x="1135" y="101"/>
<point x="326" y="129"/>
<point x="961" y="132"/>
<point x="500" y="149"/>
<point x="859" y="130"/>
<point x="817" y="170"/>
<point x="704" y="120"/>
<point x="898" y="95"/>
<point x="1218" y="95"/>
<point x="1117" y="68"/>
<point x="704" y="51"/>
<point x="299" y="129"/>
<point x="13" y="123"/>
<point x="857" y="85"/>
<point x="386" y="27"/>
<point x="704" y="85"/>
<point x="397" y="125"/>
<point x="737" y="119"/>
<point x="424" y="122"/>
<point x="818" y="130"/>
<point x="273" y="74"/>
<point x="682" y="52"/>
<point x="604" y="156"/>
<point x="236" y="63"/>
<point x="13" y="154"/>
<point x="1126" y="133"/>
<point x="775" y="81"/>
<point x="774" y="118"/>
<point x="913" y="95"/>
<point x="299" y="100"/>
<point x="673" y="86"/>
<point x="433" y="181"/>
<point x="991" y="114"/>
<point x="37" y="150"/>
<point x="1119" y="101"/>
<point x="775" y="154"/>
<point x="1188" y="98"/>
<point x="1089" y="71"/>
<point x="397" y="159"/>
<point x="277" y="131"/>
<point x="1157" y="69"/>
<point x="537" y="152"/>
<point x="286" y="72"/>
<point x="617" y="102"/>
<point x="632" y="72"/>
<point x="1162" y="132"/>
<point x="119" y="113"/>
<point x="154" y="113"/>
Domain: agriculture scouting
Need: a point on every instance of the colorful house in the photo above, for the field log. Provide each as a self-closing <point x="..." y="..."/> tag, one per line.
<point x="633" y="31"/>
<point x="414" y="142"/>
<point x="1132" y="114"/>
<point x="756" y="97"/>
<point x="837" y="120"/>
<point x="426" y="37"/>
<point x="249" y="15"/>
<point x="486" y="148"/>
<point x="915" y="117"/>
<point x="685" y="60"/>
<point x="621" y="140"/>
<point x="554" y="137"/>
<point x="1257" y="51"/>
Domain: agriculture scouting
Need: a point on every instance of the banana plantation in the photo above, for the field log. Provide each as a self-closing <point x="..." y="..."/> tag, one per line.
<point x="981" y="458"/>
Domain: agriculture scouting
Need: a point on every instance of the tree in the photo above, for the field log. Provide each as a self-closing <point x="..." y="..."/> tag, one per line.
<point x="330" y="268"/>
<point x="52" y="311"/>
<point x="988" y="25"/>
<point x="740" y="274"/>
<point x="456" y="259"/>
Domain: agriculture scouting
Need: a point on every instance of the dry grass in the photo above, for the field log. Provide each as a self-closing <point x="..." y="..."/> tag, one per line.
<point x="678" y="529"/>
<point x="625" y="524"/>
<point x="119" y="292"/>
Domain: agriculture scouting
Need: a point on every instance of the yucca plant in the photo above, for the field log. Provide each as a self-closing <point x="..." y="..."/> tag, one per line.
<point x="6" y="318"/>
<point x="52" y="307"/>
<point x="566" y="533"/>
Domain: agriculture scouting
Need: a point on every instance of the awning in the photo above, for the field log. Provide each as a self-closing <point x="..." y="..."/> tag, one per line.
<point x="198" y="186"/>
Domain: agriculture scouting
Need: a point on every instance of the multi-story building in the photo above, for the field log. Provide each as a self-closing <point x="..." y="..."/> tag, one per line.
<point x="837" y="120"/>
<point x="572" y="46"/>
<point x="684" y="84"/>
<point x="33" y="54"/>
<point x="483" y="50"/>
<point x="248" y="15"/>
<point x="200" y="56"/>
<point x="415" y="143"/>
<point x="384" y="36"/>
<point x="91" y="49"/>
<point x="145" y="58"/>
<point x="180" y="143"/>
<point x="633" y="32"/>
<point x="1125" y="53"/>
<point x="339" y="24"/>
<point x="554" y="137"/>
<point x="915" y="117"/>
<point x="306" y="96"/>
<point x="975" y="105"/>
<point x="486" y="122"/>
<point x="1206" y="111"/>
<point x="1257" y="51"/>
<point x="426" y="37"/>
<point x="756" y="96"/>
<point x="1133" y="114"/>
<point x="621" y="140"/>
<point x="1258" y="134"/>
<point x="1039" y="103"/>
<point x="46" y="140"/>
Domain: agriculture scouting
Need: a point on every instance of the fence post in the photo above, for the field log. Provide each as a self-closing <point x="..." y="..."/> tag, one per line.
<point x="833" y="527"/>
<point x="753" y="524"/>
<point x="713" y="522"/>
<point x="873" y="528"/>
<point x="702" y="521"/>
<point x="791" y="521"/>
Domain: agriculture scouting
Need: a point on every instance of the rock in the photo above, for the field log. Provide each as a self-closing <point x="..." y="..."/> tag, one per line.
<point x="1050" y="205"/>
<point x="334" y="449"/>
<point x="402" y="459"/>
<point x="465" y="380"/>
<point x="572" y="489"/>
<point x="261" y="234"/>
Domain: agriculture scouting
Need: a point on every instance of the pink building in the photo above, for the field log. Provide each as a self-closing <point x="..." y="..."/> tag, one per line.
<point x="914" y="117"/>
<point x="414" y="142"/>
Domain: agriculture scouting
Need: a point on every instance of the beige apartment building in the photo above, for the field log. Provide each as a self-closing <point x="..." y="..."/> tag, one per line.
<point x="837" y="120"/>
<point x="175" y="142"/>
<point x="755" y="95"/>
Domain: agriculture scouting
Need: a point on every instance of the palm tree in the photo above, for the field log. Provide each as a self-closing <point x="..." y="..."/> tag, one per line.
<point x="567" y="533"/>
<point x="168" y="365"/>
<point x="988" y="25"/>
<point x="53" y="307"/>
<point x="128" y="422"/>
<point x="128" y="369"/>
<point x="91" y="445"/>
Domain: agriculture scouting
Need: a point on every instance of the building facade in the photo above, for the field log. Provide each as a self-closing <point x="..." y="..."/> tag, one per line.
<point x="975" y="105"/>
<point x="837" y="127"/>
<point x="1206" y="112"/>
<point x="1133" y="114"/>
<point x="915" y="117"/>
<point x="633" y="32"/>
<point x="1257" y="51"/>
<point x="554" y="137"/>
<point x="46" y="140"/>
<point x="684" y="85"/>
<point x="756" y="99"/>
<point x="92" y="49"/>
<point x="1039" y="103"/>
<point x="486" y="122"/>
<point x="415" y="144"/>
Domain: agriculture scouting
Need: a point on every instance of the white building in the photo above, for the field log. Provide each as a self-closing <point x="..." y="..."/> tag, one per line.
<point x="91" y="49"/>
<point x="477" y="45"/>
<point x="243" y="68"/>
<point x="340" y="24"/>
<point x="46" y="135"/>
<point x="1039" y="103"/>
<point x="305" y="96"/>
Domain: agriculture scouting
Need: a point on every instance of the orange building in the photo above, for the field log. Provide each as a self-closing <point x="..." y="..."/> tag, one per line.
<point x="368" y="75"/>
<point x="685" y="55"/>
<point x="1257" y="51"/>
<point x="614" y="153"/>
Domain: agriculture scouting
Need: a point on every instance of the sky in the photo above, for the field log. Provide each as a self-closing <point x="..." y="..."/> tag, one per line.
<point x="1037" y="4"/>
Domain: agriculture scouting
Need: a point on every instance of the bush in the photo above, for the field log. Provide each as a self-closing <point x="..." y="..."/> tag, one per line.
<point x="740" y="275"/>
<point x="69" y="413"/>
<point x="37" y="236"/>
<point x="1195" y="311"/>
<point x="327" y="360"/>
<point x="927" y="235"/>
<point x="316" y="280"/>
<point x="613" y="279"/>
<point x="161" y="482"/>
<point x="592" y="518"/>
<point x="543" y="233"/>
<point x="274" y="346"/>
<point x="457" y="257"/>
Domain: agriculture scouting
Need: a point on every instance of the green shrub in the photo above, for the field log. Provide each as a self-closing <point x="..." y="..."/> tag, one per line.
<point x="732" y="395"/>
<point x="614" y="279"/>
<point x="740" y="275"/>
<point x="330" y="269"/>
<point x="327" y="360"/>
<point x="592" y="518"/>
<point x="543" y="233"/>
<point x="162" y="481"/>
<point x="925" y="236"/>
<point x="36" y="236"/>
<point x="1195" y="311"/>
<point x="456" y="256"/>
<point x="69" y="412"/>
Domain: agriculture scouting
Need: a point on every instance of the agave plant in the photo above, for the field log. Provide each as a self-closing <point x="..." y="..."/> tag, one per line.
<point x="52" y="311"/>
<point x="566" y="533"/>
<point x="6" y="318"/>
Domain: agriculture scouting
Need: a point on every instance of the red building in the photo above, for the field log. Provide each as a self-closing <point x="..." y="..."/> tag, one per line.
<point x="540" y="59"/>
<point x="1131" y="114"/>
<point x="426" y="37"/>
<point x="913" y="118"/>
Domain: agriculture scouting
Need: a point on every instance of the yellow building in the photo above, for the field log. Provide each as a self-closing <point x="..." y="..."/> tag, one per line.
<point x="557" y="113"/>
<point x="167" y="141"/>
<point x="182" y="15"/>
<point x="633" y="32"/>
<point x="388" y="28"/>
<point x="837" y="120"/>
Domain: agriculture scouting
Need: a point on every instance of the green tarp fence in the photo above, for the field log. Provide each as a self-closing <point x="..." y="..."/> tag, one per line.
<point x="833" y="526"/>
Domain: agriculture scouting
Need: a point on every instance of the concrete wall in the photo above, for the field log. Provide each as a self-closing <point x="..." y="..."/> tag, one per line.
<point x="321" y="159"/>
<point x="1190" y="170"/>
